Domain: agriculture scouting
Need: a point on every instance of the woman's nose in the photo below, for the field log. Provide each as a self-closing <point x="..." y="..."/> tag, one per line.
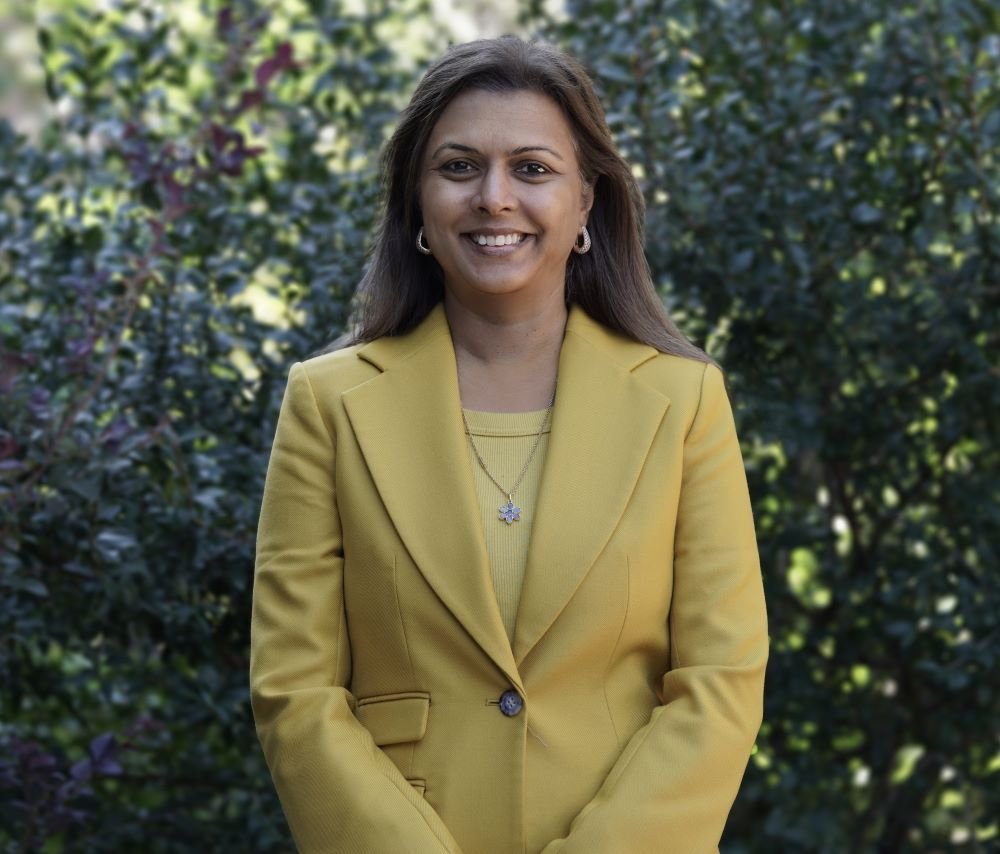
<point x="496" y="192"/>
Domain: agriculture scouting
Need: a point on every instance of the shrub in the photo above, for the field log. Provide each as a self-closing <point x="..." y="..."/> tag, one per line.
<point x="196" y="221"/>
<point x="823" y="187"/>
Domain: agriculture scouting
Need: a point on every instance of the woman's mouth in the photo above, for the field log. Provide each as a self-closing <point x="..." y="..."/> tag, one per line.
<point x="510" y="239"/>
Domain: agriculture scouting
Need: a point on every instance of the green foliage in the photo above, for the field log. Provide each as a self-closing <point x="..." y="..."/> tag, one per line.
<point x="823" y="191"/>
<point x="196" y="221"/>
<point x="823" y="183"/>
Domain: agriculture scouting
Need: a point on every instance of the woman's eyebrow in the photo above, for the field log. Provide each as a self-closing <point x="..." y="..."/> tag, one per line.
<point x="522" y="149"/>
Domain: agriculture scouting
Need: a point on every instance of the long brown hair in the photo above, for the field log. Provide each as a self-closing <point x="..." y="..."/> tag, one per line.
<point x="611" y="283"/>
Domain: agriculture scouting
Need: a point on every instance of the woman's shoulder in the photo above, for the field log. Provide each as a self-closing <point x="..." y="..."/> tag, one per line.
<point x="336" y="371"/>
<point x="683" y="379"/>
<point x="680" y="378"/>
<point x="676" y="373"/>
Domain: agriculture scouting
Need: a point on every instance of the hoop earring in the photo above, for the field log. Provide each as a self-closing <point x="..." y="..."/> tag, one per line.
<point x="585" y="247"/>
<point x="421" y="246"/>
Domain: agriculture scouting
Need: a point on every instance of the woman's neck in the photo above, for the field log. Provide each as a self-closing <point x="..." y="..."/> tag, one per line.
<point x="506" y="363"/>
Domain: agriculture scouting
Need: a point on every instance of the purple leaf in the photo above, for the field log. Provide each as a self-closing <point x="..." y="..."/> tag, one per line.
<point x="231" y="149"/>
<point x="109" y="768"/>
<point x="38" y="401"/>
<point x="115" y="432"/>
<point x="224" y="20"/>
<point x="281" y="60"/>
<point x="81" y="770"/>
<point x="250" y="99"/>
<point x="8" y="445"/>
<point x="81" y="348"/>
<point x="102" y="745"/>
<point x="104" y="755"/>
<point x="34" y="759"/>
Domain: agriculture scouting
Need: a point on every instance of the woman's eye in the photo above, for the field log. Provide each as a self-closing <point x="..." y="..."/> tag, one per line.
<point x="534" y="169"/>
<point x="458" y="167"/>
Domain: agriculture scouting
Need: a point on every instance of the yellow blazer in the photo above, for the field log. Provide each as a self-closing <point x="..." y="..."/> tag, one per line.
<point x="378" y="654"/>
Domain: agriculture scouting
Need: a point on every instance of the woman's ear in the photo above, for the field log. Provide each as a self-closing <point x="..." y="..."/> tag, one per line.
<point x="586" y="201"/>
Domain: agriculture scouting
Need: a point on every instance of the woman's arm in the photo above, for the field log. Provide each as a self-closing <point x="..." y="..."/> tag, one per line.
<point x="339" y="791"/>
<point x="675" y="782"/>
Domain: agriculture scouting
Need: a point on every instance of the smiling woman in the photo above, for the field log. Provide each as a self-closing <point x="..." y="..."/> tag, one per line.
<point x="503" y="200"/>
<point x="507" y="593"/>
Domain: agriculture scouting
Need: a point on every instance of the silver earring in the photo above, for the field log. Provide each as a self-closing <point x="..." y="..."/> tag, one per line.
<point x="425" y="249"/>
<point x="584" y="248"/>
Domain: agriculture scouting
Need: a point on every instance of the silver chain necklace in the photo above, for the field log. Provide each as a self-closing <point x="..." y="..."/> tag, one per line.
<point x="509" y="512"/>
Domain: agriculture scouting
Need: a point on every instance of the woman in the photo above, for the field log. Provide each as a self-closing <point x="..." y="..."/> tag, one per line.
<point x="426" y="676"/>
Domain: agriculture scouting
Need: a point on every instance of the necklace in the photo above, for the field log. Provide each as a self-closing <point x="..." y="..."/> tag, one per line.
<point x="509" y="512"/>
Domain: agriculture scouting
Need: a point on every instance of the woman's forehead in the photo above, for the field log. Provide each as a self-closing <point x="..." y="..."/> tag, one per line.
<point x="503" y="122"/>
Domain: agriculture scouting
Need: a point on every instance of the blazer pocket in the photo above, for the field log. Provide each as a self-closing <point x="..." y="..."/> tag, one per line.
<point x="395" y="718"/>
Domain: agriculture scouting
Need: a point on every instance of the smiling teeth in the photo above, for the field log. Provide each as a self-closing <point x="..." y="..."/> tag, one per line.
<point x="497" y="239"/>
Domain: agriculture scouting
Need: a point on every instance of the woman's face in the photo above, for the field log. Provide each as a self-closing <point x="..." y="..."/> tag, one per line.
<point x="502" y="196"/>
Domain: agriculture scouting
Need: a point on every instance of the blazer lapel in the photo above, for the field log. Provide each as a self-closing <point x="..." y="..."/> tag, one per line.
<point x="603" y="424"/>
<point x="408" y="423"/>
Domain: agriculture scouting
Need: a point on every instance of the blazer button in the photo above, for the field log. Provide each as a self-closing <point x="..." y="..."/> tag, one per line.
<point x="511" y="703"/>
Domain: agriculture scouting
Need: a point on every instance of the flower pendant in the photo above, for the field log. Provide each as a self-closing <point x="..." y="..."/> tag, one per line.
<point x="509" y="513"/>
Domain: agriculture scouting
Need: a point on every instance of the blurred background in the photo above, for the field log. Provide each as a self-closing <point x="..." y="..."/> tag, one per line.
<point x="187" y="192"/>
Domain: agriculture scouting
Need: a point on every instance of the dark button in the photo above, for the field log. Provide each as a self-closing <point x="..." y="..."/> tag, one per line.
<point x="511" y="703"/>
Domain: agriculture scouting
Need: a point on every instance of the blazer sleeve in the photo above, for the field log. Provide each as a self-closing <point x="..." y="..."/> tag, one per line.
<point x="674" y="783"/>
<point x="339" y="791"/>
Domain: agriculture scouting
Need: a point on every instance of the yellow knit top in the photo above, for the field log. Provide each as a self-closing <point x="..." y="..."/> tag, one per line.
<point x="504" y="441"/>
